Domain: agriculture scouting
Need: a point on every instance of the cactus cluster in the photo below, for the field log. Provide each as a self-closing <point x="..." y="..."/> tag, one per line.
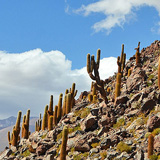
<point x="92" y="69"/>
<point x="15" y="137"/>
<point x="50" y="117"/>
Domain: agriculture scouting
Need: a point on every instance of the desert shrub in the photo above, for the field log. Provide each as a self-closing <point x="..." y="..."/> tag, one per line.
<point x="119" y="123"/>
<point x="94" y="145"/>
<point x="82" y="112"/>
<point x="123" y="147"/>
<point x="103" y="155"/>
<point x="156" y="131"/>
<point x="147" y="134"/>
<point x="26" y="153"/>
<point x="153" y="157"/>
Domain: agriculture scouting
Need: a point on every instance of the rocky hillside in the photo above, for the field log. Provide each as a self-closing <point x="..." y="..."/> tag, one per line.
<point x="118" y="129"/>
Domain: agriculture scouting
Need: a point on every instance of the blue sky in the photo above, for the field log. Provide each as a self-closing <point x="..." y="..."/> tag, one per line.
<point x="66" y="30"/>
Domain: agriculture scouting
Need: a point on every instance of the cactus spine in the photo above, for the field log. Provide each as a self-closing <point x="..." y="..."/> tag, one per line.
<point x="138" y="61"/>
<point x="64" y="143"/>
<point x="94" y="66"/>
<point x="150" y="145"/>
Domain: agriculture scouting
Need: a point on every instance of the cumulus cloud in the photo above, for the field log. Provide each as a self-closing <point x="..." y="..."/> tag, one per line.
<point x="28" y="79"/>
<point x="117" y="12"/>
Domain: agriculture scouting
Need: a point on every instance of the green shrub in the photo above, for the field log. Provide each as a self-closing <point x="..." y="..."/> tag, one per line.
<point x="153" y="157"/>
<point x="156" y="131"/>
<point x="123" y="147"/>
<point x="120" y="122"/>
<point x="103" y="155"/>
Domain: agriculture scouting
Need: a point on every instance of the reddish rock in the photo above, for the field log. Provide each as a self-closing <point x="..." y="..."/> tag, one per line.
<point x="156" y="143"/>
<point x="153" y="122"/>
<point x="148" y="105"/>
<point x="121" y="100"/>
<point x="41" y="150"/>
<point x="89" y="124"/>
<point x="135" y="79"/>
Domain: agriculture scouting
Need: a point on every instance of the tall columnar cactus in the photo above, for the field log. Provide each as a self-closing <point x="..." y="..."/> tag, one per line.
<point x="94" y="99"/>
<point x="50" y="110"/>
<point x="26" y="125"/>
<point x="129" y="72"/>
<point x="59" y="113"/>
<point x="68" y="103"/>
<point x="64" y="143"/>
<point x="17" y="126"/>
<point x="45" y="121"/>
<point x="24" y="119"/>
<point x="94" y="90"/>
<point x="118" y="85"/>
<point x="73" y="94"/>
<point x="64" y="105"/>
<point x="121" y="60"/>
<point x="55" y="115"/>
<point x="50" y="124"/>
<point x="90" y="98"/>
<point x="92" y="69"/>
<point x="150" y="145"/>
<point x="138" y="60"/>
<point x="38" y="124"/>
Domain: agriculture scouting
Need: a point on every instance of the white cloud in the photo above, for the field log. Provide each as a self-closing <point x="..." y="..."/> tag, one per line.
<point x="28" y="79"/>
<point x="117" y="12"/>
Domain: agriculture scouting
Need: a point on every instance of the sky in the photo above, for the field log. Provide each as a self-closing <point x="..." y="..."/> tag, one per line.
<point x="44" y="44"/>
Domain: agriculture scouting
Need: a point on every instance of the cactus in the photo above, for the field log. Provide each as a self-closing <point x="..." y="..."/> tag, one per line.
<point x="64" y="105"/>
<point x="90" y="98"/>
<point x="24" y="118"/>
<point x="55" y="115"/>
<point x="50" y="124"/>
<point x="14" y="139"/>
<point x="50" y="110"/>
<point x="118" y="85"/>
<point x="108" y="90"/>
<point x="18" y="121"/>
<point x="59" y="113"/>
<point x="94" y="99"/>
<point x="26" y="126"/>
<point x="68" y="103"/>
<point x="129" y="72"/>
<point x="73" y="94"/>
<point x="121" y="60"/>
<point x="94" y="66"/>
<point x="64" y="143"/>
<point x="150" y="145"/>
<point x="45" y="121"/>
<point x="138" y="61"/>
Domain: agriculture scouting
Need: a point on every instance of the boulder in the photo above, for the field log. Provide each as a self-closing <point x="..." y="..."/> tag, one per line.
<point x="148" y="105"/>
<point x="121" y="99"/>
<point x="105" y="143"/>
<point x="89" y="124"/>
<point x="153" y="122"/>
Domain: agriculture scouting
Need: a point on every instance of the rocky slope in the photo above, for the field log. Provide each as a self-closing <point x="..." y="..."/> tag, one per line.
<point x="116" y="130"/>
